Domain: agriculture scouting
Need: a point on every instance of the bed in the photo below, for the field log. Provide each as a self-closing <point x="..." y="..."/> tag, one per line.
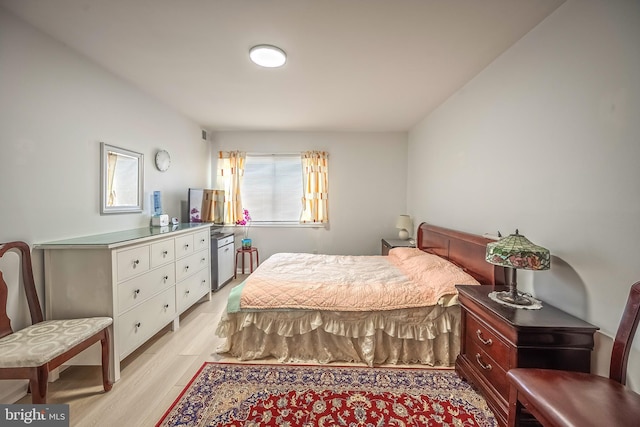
<point x="301" y="308"/>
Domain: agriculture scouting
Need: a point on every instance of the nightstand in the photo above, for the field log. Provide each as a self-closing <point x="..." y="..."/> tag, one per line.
<point x="496" y="338"/>
<point x="396" y="243"/>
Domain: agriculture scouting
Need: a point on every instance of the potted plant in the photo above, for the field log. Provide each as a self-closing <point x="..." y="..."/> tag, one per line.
<point x="245" y="222"/>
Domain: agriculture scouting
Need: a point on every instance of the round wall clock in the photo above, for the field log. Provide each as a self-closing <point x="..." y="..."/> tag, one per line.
<point x="163" y="160"/>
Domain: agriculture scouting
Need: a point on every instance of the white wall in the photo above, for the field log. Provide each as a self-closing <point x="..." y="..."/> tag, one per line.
<point x="366" y="189"/>
<point x="547" y="139"/>
<point x="55" y="108"/>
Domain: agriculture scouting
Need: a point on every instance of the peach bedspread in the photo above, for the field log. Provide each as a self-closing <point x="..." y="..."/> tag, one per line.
<point x="427" y="332"/>
<point x="407" y="278"/>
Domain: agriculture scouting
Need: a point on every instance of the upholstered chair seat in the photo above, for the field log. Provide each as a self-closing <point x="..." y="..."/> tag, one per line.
<point x="37" y="344"/>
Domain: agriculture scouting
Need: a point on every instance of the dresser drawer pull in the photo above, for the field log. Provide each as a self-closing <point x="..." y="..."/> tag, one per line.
<point x="165" y="278"/>
<point x="482" y="340"/>
<point x="486" y="367"/>
<point x="138" y="324"/>
<point x="166" y="306"/>
<point x="135" y="293"/>
<point x="165" y="253"/>
<point x="135" y="263"/>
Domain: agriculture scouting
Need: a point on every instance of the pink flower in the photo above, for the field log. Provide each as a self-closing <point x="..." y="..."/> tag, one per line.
<point x="246" y="219"/>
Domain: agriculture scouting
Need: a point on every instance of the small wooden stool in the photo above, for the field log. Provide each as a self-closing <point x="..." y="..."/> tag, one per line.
<point x="242" y="252"/>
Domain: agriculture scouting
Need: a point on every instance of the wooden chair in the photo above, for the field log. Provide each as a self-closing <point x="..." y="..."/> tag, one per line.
<point x="31" y="353"/>
<point x="561" y="398"/>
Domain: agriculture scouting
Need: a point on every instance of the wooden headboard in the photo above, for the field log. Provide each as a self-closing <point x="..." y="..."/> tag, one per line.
<point x="463" y="249"/>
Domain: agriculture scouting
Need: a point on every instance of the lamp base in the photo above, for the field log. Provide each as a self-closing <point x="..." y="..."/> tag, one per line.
<point x="403" y="234"/>
<point x="515" y="298"/>
<point x="535" y="304"/>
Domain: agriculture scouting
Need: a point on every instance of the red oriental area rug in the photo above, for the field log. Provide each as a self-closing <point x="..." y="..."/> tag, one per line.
<point x="249" y="395"/>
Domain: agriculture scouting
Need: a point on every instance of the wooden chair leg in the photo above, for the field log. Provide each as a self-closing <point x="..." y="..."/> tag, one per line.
<point x="515" y="408"/>
<point x="39" y="384"/>
<point x="104" y="342"/>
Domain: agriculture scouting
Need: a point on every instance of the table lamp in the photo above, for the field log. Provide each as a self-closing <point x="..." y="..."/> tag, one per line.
<point x="516" y="251"/>
<point x="404" y="223"/>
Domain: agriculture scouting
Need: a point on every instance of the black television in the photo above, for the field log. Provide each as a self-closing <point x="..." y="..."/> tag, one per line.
<point x="205" y="205"/>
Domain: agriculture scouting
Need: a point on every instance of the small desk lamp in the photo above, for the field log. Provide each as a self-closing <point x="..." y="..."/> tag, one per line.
<point x="516" y="251"/>
<point x="405" y="224"/>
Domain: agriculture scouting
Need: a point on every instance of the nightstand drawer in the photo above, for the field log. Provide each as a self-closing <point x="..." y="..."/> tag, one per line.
<point x="485" y="339"/>
<point x="494" y="371"/>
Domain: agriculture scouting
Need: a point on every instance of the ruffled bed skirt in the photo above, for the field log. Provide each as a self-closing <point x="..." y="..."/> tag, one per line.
<point x="427" y="335"/>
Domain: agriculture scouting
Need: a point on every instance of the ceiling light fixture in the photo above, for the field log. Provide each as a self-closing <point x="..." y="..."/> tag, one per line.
<point x="268" y="56"/>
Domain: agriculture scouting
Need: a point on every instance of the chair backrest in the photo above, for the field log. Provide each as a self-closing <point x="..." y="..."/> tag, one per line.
<point x="624" y="336"/>
<point x="29" y="287"/>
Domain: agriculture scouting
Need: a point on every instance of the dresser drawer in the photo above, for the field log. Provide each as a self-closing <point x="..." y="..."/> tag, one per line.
<point x="494" y="371"/>
<point x="184" y="245"/>
<point x="225" y="241"/>
<point x="143" y="321"/>
<point x="488" y="341"/>
<point x="192" y="289"/>
<point x="139" y="289"/>
<point x="132" y="262"/>
<point x="201" y="240"/>
<point x="162" y="252"/>
<point x="191" y="264"/>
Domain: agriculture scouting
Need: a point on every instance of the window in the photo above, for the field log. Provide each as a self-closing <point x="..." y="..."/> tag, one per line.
<point x="272" y="188"/>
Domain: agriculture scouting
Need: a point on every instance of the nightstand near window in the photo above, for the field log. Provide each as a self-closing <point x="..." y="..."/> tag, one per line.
<point x="388" y="244"/>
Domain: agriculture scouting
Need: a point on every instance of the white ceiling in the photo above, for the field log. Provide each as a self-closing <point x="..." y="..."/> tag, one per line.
<point x="353" y="65"/>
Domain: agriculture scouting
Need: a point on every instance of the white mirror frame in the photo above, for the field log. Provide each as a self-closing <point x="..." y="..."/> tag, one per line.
<point x="136" y="182"/>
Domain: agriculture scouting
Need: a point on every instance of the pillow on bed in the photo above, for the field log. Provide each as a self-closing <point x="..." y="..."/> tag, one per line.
<point x="417" y="258"/>
<point x="427" y="260"/>
<point x="402" y="254"/>
<point x="424" y="267"/>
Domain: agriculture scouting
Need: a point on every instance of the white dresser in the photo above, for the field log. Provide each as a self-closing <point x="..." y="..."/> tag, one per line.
<point x="143" y="278"/>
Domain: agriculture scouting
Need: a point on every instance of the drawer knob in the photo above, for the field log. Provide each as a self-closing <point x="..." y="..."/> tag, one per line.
<point x="136" y="292"/>
<point x="165" y="253"/>
<point x="486" y="367"/>
<point x="165" y="278"/>
<point x="166" y="306"/>
<point x="135" y="263"/>
<point x="203" y="260"/>
<point x="138" y="325"/>
<point x="482" y="340"/>
<point x="186" y="246"/>
<point x="202" y="241"/>
<point x="186" y="268"/>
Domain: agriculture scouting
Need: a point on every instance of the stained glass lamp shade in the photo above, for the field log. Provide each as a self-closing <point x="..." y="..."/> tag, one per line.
<point x="516" y="251"/>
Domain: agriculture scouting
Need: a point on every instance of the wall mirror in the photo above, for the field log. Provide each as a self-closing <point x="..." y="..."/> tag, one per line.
<point x="122" y="180"/>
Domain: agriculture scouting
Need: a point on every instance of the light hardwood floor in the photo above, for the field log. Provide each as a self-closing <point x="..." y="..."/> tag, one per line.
<point x="151" y="378"/>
